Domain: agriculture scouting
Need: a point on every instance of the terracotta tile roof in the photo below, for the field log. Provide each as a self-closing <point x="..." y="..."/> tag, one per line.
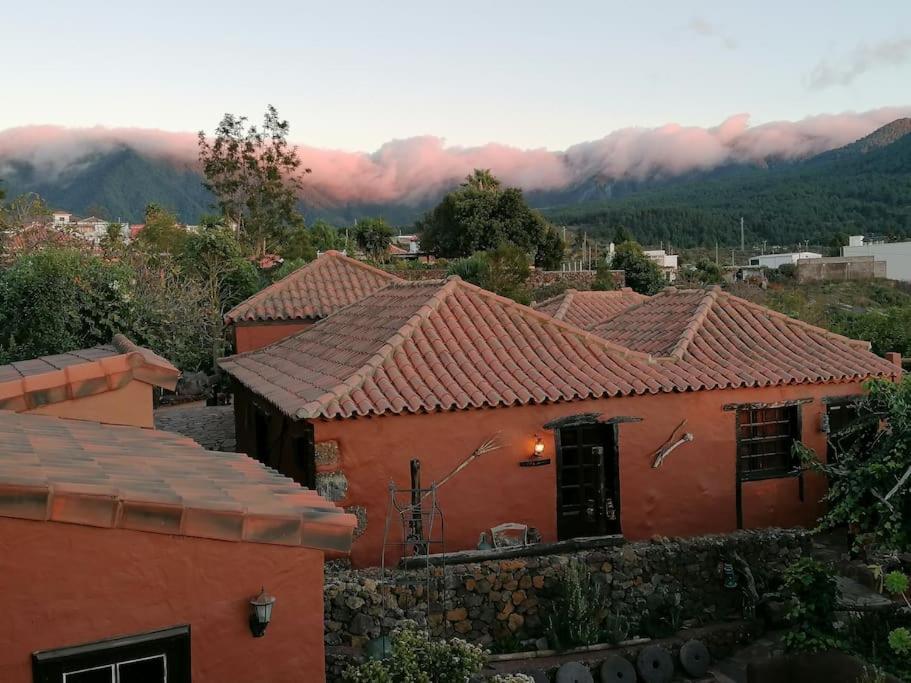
<point x="126" y="477"/>
<point x="587" y="308"/>
<point x="719" y="340"/>
<point x="25" y="385"/>
<point x="439" y="345"/>
<point x="313" y="291"/>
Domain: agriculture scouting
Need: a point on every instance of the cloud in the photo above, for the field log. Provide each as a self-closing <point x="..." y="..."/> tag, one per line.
<point x="412" y="170"/>
<point x="864" y="58"/>
<point x="702" y="27"/>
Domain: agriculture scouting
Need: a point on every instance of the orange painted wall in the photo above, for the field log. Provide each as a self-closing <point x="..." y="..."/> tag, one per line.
<point x="129" y="405"/>
<point x="693" y="492"/>
<point x="64" y="584"/>
<point x="252" y="336"/>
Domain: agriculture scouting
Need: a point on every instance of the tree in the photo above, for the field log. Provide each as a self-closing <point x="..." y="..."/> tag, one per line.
<point x="255" y="174"/>
<point x="215" y="259"/>
<point x="839" y="240"/>
<point x="113" y="241"/>
<point x="23" y="211"/>
<point x="480" y="215"/>
<point x="373" y="235"/>
<point x="299" y="245"/>
<point x="705" y="272"/>
<point x="60" y="299"/>
<point x="162" y="233"/>
<point x="622" y="235"/>
<point x="870" y="478"/>
<point x="326" y="236"/>
<point x="503" y="271"/>
<point x="642" y="274"/>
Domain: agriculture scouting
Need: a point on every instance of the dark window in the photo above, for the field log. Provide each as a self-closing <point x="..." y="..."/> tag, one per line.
<point x="157" y="657"/>
<point x="765" y="437"/>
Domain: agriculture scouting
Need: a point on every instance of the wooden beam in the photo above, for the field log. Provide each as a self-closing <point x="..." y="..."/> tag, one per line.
<point x="760" y="406"/>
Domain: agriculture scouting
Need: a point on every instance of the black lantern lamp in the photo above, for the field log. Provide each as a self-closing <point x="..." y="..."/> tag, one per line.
<point x="261" y="613"/>
<point x="536" y="458"/>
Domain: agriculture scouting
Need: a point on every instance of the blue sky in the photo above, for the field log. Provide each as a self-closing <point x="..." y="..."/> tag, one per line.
<point x="354" y="75"/>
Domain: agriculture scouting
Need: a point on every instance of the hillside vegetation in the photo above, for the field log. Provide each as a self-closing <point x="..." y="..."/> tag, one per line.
<point x="878" y="311"/>
<point x="862" y="188"/>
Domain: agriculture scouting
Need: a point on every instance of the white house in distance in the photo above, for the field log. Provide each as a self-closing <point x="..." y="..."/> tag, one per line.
<point x="897" y="255"/>
<point x="667" y="262"/>
<point x="775" y="261"/>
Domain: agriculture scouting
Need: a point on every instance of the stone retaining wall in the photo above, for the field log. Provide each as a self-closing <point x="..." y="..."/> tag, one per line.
<point x="497" y="600"/>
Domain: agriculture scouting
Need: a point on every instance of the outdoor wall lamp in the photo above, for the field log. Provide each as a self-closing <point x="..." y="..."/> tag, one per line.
<point x="535" y="459"/>
<point x="260" y="613"/>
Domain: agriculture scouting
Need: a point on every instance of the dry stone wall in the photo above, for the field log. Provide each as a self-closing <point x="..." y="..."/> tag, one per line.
<point x="499" y="600"/>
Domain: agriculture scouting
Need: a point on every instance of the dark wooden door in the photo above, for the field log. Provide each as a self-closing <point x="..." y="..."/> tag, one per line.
<point x="588" y="500"/>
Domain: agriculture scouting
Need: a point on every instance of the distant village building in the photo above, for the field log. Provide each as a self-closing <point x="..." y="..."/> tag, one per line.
<point x="897" y="255"/>
<point x="840" y="268"/>
<point x="666" y="262"/>
<point x="594" y="427"/>
<point x="775" y="261"/>
<point x="295" y="302"/>
<point x="61" y="218"/>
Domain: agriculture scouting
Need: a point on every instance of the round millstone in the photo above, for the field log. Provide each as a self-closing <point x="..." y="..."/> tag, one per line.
<point x="574" y="672"/>
<point x="617" y="669"/>
<point x="695" y="658"/>
<point x="655" y="664"/>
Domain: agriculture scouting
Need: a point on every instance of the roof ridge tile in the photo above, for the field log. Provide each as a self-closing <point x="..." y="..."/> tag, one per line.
<point x="693" y="326"/>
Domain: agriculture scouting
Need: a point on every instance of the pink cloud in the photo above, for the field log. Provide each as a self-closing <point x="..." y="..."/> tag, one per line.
<point x="412" y="169"/>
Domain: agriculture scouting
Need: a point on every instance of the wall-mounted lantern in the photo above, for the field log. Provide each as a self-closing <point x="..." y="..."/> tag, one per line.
<point x="536" y="458"/>
<point x="260" y="613"/>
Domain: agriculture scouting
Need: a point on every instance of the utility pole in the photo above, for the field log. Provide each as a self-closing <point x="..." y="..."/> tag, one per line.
<point x="741" y="233"/>
<point x="716" y="254"/>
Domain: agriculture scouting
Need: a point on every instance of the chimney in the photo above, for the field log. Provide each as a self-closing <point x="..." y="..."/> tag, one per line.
<point x="894" y="358"/>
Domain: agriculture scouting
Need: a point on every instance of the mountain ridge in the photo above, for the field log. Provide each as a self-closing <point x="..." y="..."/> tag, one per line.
<point x="122" y="181"/>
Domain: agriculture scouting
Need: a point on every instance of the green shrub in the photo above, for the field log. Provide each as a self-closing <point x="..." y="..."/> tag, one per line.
<point x="417" y="658"/>
<point x="813" y="596"/>
<point x="577" y="614"/>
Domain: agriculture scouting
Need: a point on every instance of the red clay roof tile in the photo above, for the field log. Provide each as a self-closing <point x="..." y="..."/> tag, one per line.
<point x="719" y="340"/>
<point x="313" y="291"/>
<point x="438" y="345"/>
<point x="110" y="476"/>
<point x="25" y="385"/>
<point x="587" y="308"/>
<point x="432" y="345"/>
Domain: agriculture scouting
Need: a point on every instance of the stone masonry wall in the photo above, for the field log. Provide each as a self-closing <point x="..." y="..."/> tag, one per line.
<point x="506" y="599"/>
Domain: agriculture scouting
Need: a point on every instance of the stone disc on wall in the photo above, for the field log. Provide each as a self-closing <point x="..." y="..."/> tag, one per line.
<point x="695" y="658"/>
<point x="617" y="669"/>
<point x="574" y="672"/>
<point x="655" y="664"/>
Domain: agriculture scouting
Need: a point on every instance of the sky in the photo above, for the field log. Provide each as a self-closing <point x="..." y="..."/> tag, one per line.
<point x="355" y="75"/>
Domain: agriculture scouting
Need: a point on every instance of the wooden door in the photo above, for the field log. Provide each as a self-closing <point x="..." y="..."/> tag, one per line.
<point x="588" y="501"/>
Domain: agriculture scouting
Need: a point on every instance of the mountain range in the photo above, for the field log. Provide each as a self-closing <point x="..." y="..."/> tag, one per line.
<point x="864" y="186"/>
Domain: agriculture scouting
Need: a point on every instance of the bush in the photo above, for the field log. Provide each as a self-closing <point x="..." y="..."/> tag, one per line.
<point x="417" y="658"/>
<point x="642" y="274"/>
<point x="578" y="612"/>
<point x="868" y="482"/>
<point x="813" y="595"/>
<point x="58" y="300"/>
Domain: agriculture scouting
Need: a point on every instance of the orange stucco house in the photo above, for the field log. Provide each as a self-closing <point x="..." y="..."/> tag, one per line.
<point x="431" y="370"/>
<point x="131" y="554"/>
<point x="111" y="384"/>
<point x="295" y="302"/>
